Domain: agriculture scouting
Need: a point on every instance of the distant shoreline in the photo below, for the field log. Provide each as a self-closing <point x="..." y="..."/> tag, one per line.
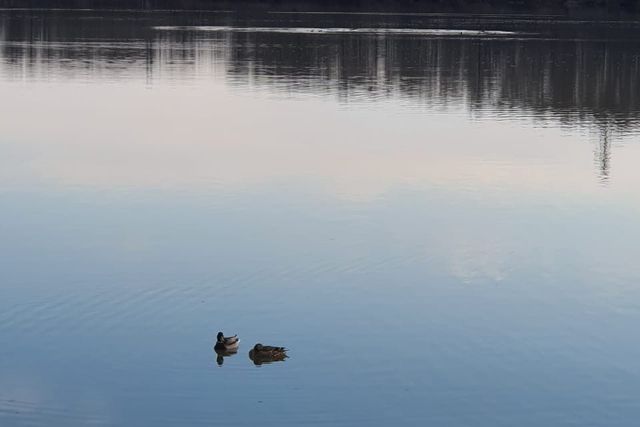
<point x="592" y="8"/>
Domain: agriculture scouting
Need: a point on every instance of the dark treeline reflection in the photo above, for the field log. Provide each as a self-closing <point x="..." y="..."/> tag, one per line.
<point x="573" y="81"/>
<point x="569" y="7"/>
<point x="563" y="78"/>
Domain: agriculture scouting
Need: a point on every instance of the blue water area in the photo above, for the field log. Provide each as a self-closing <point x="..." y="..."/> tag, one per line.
<point x="437" y="215"/>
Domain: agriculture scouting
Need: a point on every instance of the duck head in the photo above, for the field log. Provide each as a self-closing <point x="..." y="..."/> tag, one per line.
<point x="220" y="337"/>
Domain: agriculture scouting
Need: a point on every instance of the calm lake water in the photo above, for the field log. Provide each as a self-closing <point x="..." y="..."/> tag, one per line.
<point x="439" y="216"/>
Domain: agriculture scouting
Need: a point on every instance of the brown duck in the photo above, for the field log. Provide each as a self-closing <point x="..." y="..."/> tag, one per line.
<point x="260" y="354"/>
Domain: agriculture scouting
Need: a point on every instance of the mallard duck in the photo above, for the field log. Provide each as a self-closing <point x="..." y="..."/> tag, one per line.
<point x="260" y="354"/>
<point x="226" y="344"/>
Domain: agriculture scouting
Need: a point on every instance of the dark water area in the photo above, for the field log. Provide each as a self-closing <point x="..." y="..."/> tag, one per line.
<point x="437" y="214"/>
<point x="595" y="9"/>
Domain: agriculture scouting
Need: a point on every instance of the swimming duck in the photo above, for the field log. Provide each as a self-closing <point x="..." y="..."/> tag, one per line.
<point x="226" y="344"/>
<point x="266" y="354"/>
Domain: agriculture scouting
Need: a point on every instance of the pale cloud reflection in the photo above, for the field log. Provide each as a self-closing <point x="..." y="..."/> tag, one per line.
<point x="472" y="259"/>
<point x="213" y="138"/>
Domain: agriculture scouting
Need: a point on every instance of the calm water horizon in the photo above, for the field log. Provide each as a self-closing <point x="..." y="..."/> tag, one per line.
<point x="437" y="214"/>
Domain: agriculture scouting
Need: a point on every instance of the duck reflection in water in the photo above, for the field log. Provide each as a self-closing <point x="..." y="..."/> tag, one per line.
<point x="261" y="354"/>
<point x="221" y="354"/>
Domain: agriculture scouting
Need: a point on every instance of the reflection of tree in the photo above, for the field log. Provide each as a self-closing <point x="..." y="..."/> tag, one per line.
<point x="567" y="79"/>
<point x="603" y="153"/>
<point x="571" y="76"/>
<point x="570" y="80"/>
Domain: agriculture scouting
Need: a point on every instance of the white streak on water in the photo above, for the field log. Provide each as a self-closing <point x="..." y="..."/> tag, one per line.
<point x="313" y="30"/>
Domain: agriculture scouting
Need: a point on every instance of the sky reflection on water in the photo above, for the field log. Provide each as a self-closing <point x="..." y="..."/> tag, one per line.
<point x="443" y="231"/>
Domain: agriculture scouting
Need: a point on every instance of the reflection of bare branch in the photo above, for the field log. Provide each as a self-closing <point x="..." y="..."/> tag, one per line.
<point x="603" y="154"/>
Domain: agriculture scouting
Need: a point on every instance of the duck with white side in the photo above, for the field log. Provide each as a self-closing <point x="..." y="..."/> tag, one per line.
<point x="226" y="344"/>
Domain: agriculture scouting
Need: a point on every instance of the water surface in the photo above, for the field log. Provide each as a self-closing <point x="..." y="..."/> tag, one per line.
<point x="437" y="214"/>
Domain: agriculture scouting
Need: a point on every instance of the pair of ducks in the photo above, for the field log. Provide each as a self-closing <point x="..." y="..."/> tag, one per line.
<point x="226" y="346"/>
